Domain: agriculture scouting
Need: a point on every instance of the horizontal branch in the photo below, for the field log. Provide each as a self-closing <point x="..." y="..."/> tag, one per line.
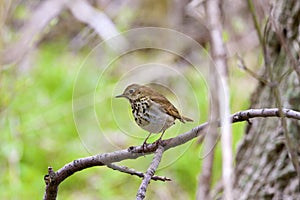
<point x="55" y="178"/>
<point x="265" y="112"/>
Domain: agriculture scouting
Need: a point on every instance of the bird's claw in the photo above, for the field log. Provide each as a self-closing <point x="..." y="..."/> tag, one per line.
<point x="144" y="146"/>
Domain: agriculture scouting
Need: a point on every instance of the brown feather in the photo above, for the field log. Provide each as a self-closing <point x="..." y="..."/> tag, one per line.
<point x="166" y="105"/>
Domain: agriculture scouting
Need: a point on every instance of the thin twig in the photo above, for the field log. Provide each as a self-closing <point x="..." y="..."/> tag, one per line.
<point x="150" y="172"/>
<point x="286" y="47"/>
<point x="262" y="41"/>
<point x="256" y="24"/>
<point x="127" y="170"/>
<point x="69" y="169"/>
<point x="242" y="65"/>
<point x="281" y="78"/>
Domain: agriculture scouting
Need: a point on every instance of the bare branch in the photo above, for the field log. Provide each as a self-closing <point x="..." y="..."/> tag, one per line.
<point x="218" y="52"/>
<point x="29" y="33"/>
<point x="50" y="9"/>
<point x="99" y="21"/>
<point x="255" y="20"/>
<point x="51" y="192"/>
<point x="265" y="112"/>
<point x="205" y="177"/>
<point x="286" y="47"/>
<point x="127" y="170"/>
<point x="55" y="178"/>
<point x="242" y="65"/>
<point x="150" y="172"/>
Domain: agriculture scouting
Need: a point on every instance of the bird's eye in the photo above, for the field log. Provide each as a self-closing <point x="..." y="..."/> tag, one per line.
<point x="131" y="91"/>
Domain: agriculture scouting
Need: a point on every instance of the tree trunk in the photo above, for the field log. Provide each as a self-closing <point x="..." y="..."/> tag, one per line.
<point x="264" y="168"/>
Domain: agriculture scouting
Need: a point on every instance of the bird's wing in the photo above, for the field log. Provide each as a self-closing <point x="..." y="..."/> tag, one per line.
<point x="166" y="105"/>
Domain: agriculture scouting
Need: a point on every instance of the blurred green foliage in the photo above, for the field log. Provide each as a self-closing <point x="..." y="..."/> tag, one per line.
<point x="38" y="131"/>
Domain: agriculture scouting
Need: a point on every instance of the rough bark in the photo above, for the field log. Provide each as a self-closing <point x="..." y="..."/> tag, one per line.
<point x="264" y="169"/>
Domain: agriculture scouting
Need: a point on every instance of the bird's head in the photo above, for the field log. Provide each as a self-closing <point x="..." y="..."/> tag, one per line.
<point x="131" y="92"/>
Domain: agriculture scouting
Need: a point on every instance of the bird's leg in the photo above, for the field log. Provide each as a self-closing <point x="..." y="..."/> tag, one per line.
<point x="161" y="135"/>
<point x="157" y="141"/>
<point x="145" y="142"/>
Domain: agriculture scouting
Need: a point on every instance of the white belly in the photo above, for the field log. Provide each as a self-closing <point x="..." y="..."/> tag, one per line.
<point x="159" y="121"/>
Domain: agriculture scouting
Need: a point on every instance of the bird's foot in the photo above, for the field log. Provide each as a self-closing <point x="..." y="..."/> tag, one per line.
<point x="144" y="146"/>
<point x="158" y="142"/>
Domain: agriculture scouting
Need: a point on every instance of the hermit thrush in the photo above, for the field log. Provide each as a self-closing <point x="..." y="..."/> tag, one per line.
<point x="151" y="110"/>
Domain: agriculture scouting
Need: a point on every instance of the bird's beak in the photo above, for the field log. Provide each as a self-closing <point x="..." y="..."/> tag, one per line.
<point x="121" y="95"/>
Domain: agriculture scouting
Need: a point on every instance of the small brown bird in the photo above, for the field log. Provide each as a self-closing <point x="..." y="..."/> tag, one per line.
<point x="151" y="110"/>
